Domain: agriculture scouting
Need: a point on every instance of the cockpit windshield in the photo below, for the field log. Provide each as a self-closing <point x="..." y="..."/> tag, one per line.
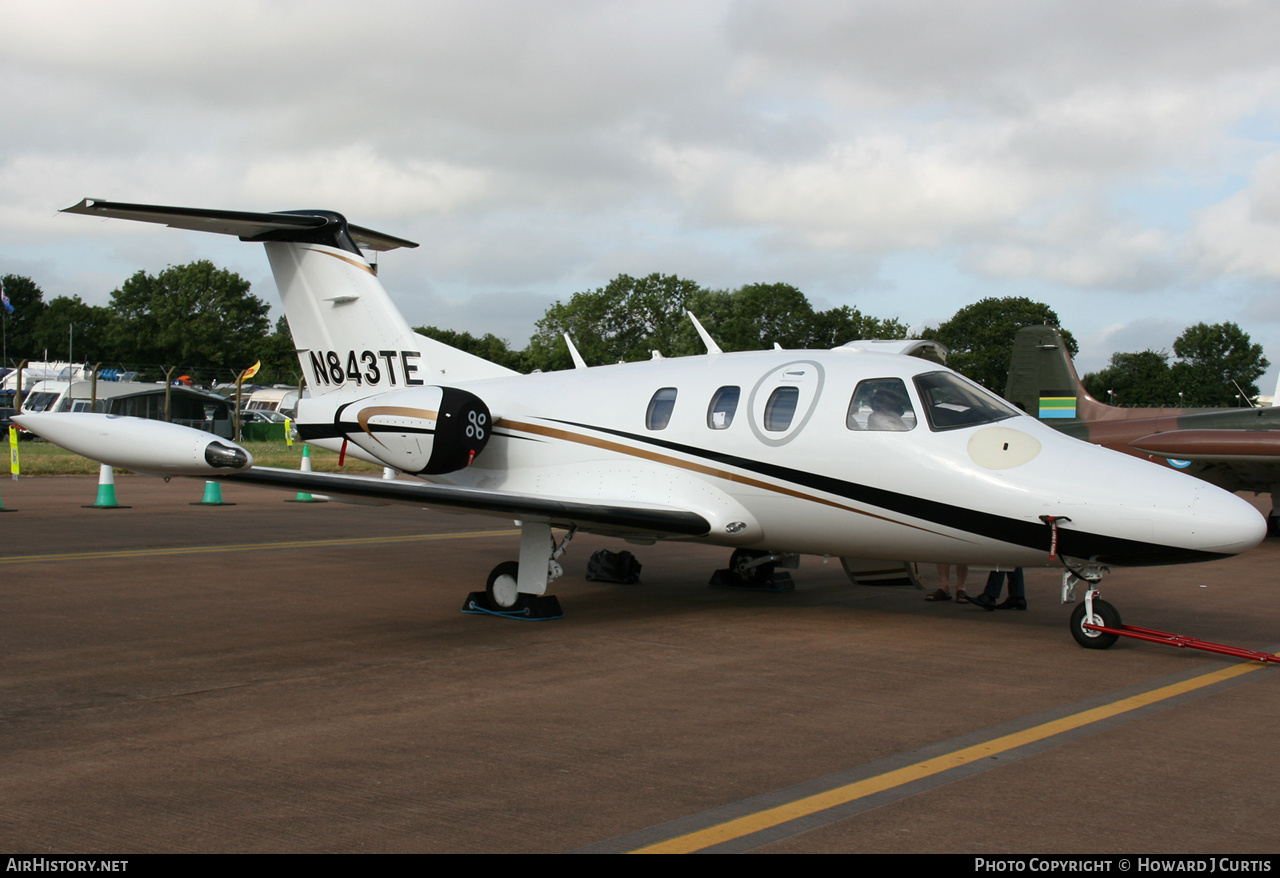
<point x="950" y="402"/>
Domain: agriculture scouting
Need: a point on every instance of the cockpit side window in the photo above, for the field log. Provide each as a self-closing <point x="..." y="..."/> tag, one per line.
<point x="881" y="405"/>
<point x="660" y="408"/>
<point x="724" y="405"/>
<point x="950" y="402"/>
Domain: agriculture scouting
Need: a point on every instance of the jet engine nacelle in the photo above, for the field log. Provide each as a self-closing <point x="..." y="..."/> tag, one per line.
<point x="143" y="446"/>
<point x="424" y="430"/>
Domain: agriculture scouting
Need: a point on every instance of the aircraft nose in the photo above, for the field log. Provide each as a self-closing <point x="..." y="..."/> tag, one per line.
<point x="1225" y="523"/>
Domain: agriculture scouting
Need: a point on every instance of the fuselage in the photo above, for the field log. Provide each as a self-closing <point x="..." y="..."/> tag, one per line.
<point x="846" y="452"/>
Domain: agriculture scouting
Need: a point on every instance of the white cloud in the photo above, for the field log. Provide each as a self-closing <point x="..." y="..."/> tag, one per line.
<point x="906" y="157"/>
<point x="1241" y="235"/>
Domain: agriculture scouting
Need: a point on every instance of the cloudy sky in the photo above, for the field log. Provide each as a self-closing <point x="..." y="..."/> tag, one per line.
<point x="1119" y="161"/>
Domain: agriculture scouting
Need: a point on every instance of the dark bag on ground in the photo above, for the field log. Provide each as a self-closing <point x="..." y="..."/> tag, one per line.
<point x="606" y="566"/>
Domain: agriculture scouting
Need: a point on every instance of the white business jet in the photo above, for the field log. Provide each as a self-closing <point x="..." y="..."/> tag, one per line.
<point x="873" y="452"/>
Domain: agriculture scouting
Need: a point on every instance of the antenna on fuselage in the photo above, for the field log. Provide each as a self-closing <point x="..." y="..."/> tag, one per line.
<point x="578" y="362"/>
<point x="712" y="347"/>
<point x="1252" y="404"/>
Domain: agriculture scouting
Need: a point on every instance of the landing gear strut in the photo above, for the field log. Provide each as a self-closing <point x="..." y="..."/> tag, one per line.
<point x="517" y="590"/>
<point x="1094" y="613"/>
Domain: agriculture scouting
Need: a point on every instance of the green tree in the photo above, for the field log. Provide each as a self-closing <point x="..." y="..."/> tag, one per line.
<point x="195" y="316"/>
<point x="755" y="316"/>
<point x="278" y="356"/>
<point x="625" y="320"/>
<point x="27" y="300"/>
<point x="980" y="336"/>
<point x="632" y="317"/>
<point x="487" y="346"/>
<point x="1212" y="360"/>
<point x="67" y="327"/>
<point x="830" y="329"/>
<point x="1136" y="379"/>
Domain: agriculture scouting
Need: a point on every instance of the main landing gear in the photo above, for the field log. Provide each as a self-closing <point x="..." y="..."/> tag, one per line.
<point x="517" y="590"/>
<point x="757" y="571"/>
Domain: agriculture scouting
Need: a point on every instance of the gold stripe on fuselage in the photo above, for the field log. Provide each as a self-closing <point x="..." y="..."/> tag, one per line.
<point x="703" y="469"/>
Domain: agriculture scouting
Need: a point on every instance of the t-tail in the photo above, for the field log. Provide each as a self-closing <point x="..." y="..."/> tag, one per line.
<point x="348" y="335"/>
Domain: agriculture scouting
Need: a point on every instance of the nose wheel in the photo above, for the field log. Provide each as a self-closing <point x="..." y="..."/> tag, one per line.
<point x="1100" y="613"/>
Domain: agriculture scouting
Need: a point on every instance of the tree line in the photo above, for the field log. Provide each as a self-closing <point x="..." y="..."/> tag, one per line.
<point x="631" y="317"/>
<point x="204" y="321"/>
<point x="1214" y="365"/>
<point x="196" y="318"/>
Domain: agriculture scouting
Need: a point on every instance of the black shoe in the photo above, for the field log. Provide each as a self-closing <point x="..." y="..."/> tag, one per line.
<point x="1012" y="604"/>
<point x="984" y="601"/>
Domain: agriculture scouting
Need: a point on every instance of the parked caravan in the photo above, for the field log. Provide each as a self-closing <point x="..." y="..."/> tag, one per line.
<point x="190" y="407"/>
<point x="274" y="399"/>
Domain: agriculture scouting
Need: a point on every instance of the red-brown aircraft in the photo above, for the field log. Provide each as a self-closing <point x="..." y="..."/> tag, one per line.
<point x="1234" y="448"/>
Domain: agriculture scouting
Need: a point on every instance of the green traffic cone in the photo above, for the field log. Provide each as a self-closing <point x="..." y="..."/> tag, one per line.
<point x="106" y="490"/>
<point x="212" y="495"/>
<point x="303" y="496"/>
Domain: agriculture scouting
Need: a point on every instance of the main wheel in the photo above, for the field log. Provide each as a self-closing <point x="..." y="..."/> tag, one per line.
<point x="1103" y="614"/>
<point x="741" y="558"/>
<point x="501" y="586"/>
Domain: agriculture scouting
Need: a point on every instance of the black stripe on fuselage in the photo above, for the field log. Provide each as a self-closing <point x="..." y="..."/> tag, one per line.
<point x="1072" y="543"/>
<point x="307" y="432"/>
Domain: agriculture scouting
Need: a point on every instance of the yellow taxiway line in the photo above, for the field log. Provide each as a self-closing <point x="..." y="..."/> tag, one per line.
<point x="843" y="795"/>
<point x="249" y="547"/>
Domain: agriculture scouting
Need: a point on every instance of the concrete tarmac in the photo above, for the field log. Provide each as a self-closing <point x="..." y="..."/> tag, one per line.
<point x="278" y="677"/>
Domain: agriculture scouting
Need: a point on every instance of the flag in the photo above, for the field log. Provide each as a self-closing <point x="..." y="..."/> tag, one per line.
<point x="4" y="298"/>
<point x="251" y="371"/>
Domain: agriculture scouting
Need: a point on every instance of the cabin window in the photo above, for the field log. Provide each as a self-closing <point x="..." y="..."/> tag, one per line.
<point x="660" y="407"/>
<point x="951" y="402"/>
<point x="723" y="407"/>
<point x="781" y="408"/>
<point x="881" y="405"/>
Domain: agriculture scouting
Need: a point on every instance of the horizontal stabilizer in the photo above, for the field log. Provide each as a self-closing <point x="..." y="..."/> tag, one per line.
<point x="248" y="226"/>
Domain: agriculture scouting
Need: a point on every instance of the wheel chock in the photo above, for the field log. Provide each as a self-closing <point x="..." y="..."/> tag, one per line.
<point x="528" y="607"/>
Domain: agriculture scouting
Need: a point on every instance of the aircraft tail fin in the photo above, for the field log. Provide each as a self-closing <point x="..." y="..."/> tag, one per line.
<point x="348" y="334"/>
<point x="1043" y="380"/>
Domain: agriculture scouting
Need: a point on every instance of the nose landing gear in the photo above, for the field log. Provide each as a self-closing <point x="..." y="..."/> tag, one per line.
<point x="1095" y="624"/>
<point x="1091" y="615"/>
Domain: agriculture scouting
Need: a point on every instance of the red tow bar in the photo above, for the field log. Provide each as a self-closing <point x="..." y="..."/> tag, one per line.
<point x="1182" y="642"/>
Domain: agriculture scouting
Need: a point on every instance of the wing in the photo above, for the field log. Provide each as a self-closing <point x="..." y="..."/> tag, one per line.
<point x="1243" y="446"/>
<point x="610" y="519"/>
